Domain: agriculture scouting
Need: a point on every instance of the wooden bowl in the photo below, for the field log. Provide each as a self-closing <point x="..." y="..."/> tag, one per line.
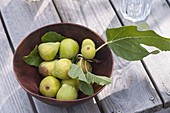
<point x="29" y="77"/>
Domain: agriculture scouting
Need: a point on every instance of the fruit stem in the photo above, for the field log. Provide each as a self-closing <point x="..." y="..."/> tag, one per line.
<point x="86" y="65"/>
<point x="103" y="45"/>
<point x="81" y="61"/>
<point x="79" y="55"/>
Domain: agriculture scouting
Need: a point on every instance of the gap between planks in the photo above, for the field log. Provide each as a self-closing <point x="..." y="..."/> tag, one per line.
<point x="57" y="11"/>
<point x="143" y="63"/>
<point x="95" y="98"/>
<point x="168" y="2"/>
<point x="13" y="51"/>
<point x="7" y="34"/>
<point x="117" y="14"/>
<point x="150" y="77"/>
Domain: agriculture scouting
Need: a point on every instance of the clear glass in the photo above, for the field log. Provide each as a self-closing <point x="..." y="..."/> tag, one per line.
<point x="32" y="0"/>
<point x="135" y="10"/>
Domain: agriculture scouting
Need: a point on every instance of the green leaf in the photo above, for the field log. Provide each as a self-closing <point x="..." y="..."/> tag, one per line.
<point x="126" y="42"/>
<point x="33" y="58"/>
<point x="52" y="36"/>
<point x="76" y="72"/>
<point x="143" y="26"/>
<point x="101" y="80"/>
<point x="86" y="88"/>
<point x="74" y="59"/>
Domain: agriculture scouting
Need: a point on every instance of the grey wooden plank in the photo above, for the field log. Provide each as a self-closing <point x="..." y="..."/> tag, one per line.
<point x="87" y="107"/>
<point x="3" y="3"/>
<point x="93" y="14"/>
<point x="23" y="19"/>
<point x="13" y="99"/>
<point x="168" y="1"/>
<point x="157" y="64"/>
<point x="164" y="111"/>
<point x="159" y="22"/>
<point x="131" y="90"/>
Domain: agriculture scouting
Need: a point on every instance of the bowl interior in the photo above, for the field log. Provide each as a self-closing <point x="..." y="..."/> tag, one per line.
<point x="29" y="77"/>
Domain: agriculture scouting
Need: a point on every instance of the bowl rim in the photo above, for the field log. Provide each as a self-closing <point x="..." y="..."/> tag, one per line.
<point x="54" y="99"/>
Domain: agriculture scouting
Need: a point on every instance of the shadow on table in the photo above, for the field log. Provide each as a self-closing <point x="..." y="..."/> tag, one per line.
<point x="131" y="91"/>
<point x="83" y="108"/>
<point x="130" y="85"/>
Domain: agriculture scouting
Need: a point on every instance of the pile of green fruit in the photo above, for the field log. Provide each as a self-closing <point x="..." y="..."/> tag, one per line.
<point x="57" y="67"/>
<point x="67" y="71"/>
<point x="57" y="83"/>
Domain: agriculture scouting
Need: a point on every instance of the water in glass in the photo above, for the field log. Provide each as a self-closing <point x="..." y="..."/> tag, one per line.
<point x="135" y="10"/>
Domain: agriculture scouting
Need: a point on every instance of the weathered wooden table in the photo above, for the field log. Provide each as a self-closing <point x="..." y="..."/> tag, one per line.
<point x="140" y="86"/>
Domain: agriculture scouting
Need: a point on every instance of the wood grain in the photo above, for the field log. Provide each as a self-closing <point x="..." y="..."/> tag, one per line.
<point x="21" y="17"/>
<point x="13" y="99"/>
<point x="159" y="22"/>
<point x="168" y="1"/>
<point x="88" y="107"/>
<point x="131" y="90"/>
<point x="96" y="15"/>
<point x="158" y="65"/>
<point x="22" y="20"/>
<point x="164" y="111"/>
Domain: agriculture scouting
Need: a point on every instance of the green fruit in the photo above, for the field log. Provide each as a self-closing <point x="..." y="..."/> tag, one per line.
<point x="46" y="67"/>
<point x="61" y="68"/>
<point x="82" y="63"/>
<point x="71" y="82"/>
<point x="49" y="86"/>
<point x="67" y="92"/>
<point x="69" y="48"/>
<point x="48" y="50"/>
<point x="88" y="52"/>
<point x="88" y="42"/>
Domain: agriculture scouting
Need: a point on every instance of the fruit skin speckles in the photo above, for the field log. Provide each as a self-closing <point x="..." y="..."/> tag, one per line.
<point x="49" y="86"/>
<point x="67" y="92"/>
<point x="46" y="67"/>
<point x="48" y="51"/>
<point x="88" y="42"/>
<point x="61" y="68"/>
<point x="71" y="82"/>
<point x="88" y="51"/>
<point x="69" y="48"/>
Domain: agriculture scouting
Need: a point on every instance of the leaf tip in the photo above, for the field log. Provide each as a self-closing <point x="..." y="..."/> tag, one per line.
<point x="155" y="52"/>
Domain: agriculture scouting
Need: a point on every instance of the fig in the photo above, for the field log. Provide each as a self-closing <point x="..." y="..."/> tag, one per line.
<point x="85" y="66"/>
<point x="71" y="82"/>
<point x="67" y="92"/>
<point x="88" y="51"/>
<point x="46" y="67"/>
<point x="61" y="68"/>
<point x="49" y="86"/>
<point x="48" y="50"/>
<point x="69" y="48"/>
<point x="88" y="42"/>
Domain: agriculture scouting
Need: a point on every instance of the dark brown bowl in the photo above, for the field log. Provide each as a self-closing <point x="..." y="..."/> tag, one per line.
<point x="29" y="77"/>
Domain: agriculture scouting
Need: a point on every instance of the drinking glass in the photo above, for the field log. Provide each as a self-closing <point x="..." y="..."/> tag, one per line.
<point x="135" y="10"/>
<point x="32" y="0"/>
